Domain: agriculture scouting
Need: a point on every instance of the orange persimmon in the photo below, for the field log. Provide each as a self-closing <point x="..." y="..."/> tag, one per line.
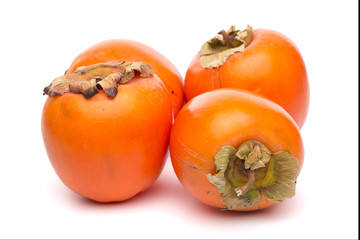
<point x="106" y="129"/>
<point x="129" y="50"/>
<point x="234" y="149"/>
<point x="259" y="60"/>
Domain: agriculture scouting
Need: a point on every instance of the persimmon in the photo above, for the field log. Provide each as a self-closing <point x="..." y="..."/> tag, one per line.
<point x="260" y="60"/>
<point x="236" y="150"/>
<point x="106" y="129"/>
<point x="129" y="50"/>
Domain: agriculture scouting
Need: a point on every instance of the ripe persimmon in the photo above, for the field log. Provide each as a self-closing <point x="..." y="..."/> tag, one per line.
<point x="236" y="150"/>
<point x="259" y="60"/>
<point x="106" y="129"/>
<point x="129" y="50"/>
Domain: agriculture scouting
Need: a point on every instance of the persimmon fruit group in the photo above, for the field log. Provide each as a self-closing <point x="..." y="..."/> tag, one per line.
<point x="106" y="129"/>
<point x="236" y="150"/>
<point x="129" y="50"/>
<point x="259" y="60"/>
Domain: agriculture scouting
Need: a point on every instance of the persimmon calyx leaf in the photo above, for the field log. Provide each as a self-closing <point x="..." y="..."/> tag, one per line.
<point x="254" y="154"/>
<point x="216" y="51"/>
<point x="87" y="80"/>
<point x="243" y="175"/>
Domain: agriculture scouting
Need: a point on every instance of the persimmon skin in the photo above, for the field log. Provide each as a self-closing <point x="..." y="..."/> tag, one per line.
<point x="226" y="117"/>
<point x="109" y="149"/>
<point x="129" y="50"/>
<point x="271" y="65"/>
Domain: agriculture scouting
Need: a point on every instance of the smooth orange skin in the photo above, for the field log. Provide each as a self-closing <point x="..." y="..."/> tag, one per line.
<point x="226" y="117"/>
<point x="271" y="65"/>
<point x="128" y="50"/>
<point x="109" y="149"/>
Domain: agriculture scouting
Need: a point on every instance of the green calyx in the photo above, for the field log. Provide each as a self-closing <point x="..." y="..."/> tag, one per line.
<point x="215" y="51"/>
<point x="251" y="171"/>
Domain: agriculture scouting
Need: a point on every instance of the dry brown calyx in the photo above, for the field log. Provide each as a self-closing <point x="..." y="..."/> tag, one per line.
<point x="88" y="80"/>
<point x="215" y="51"/>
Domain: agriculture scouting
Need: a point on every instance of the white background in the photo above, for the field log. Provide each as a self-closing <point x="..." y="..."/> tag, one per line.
<point x="39" y="40"/>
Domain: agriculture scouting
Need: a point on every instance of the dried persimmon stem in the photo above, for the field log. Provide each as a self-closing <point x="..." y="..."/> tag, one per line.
<point x="215" y="52"/>
<point x="242" y="190"/>
<point x="226" y="38"/>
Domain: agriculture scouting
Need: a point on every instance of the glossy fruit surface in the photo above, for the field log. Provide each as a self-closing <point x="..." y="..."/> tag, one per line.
<point x="128" y="50"/>
<point x="109" y="149"/>
<point x="270" y="65"/>
<point x="227" y="117"/>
